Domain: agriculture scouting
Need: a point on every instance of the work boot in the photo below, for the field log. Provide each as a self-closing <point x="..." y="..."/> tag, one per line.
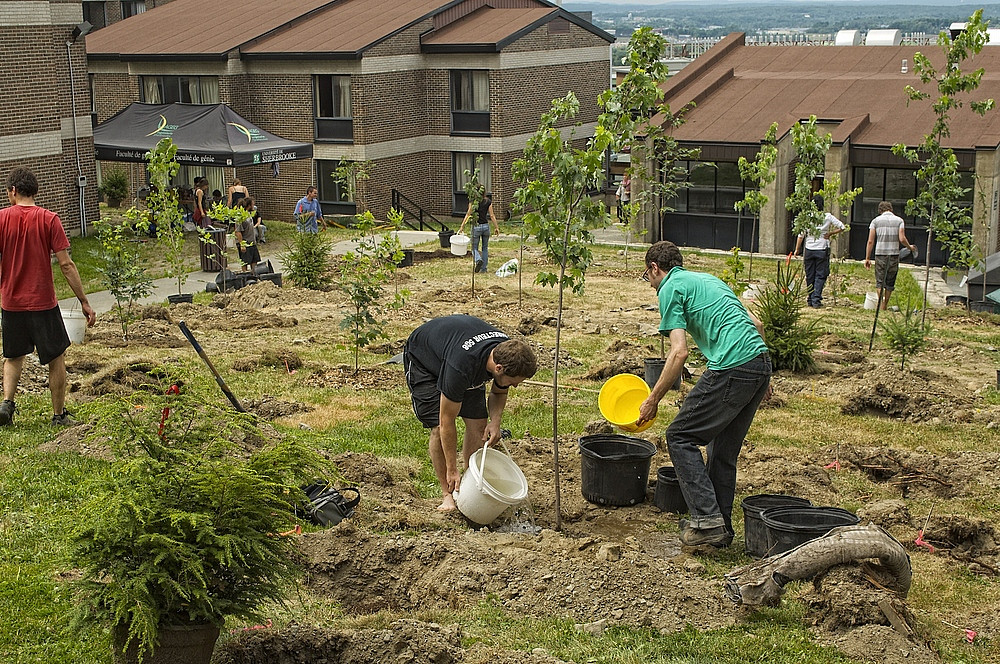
<point x="65" y="419"/>
<point x="479" y="265"/>
<point x="718" y="537"/>
<point x="7" y="409"/>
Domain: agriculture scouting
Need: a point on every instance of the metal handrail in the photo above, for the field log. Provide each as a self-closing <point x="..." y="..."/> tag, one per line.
<point x="413" y="213"/>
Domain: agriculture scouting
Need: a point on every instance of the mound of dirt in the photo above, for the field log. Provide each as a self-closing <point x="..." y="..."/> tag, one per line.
<point x="365" y="378"/>
<point x="762" y="471"/>
<point x="75" y="440"/>
<point x="851" y="610"/>
<point x="914" y="396"/>
<point x="275" y="358"/>
<point x="406" y="641"/>
<point x="914" y="474"/>
<point x="128" y="375"/>
<point x="271" y="408"/>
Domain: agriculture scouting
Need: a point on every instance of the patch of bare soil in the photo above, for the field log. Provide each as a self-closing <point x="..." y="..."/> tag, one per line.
<point x="75" y="440"/>
<point x="228" y="318"/>
<point x="276" y="358"/>
<point x="913" y="473"/>
<point x="406" y="641"/>
<point x="771" y="471"/>
<point x="868" y="623"/>
<point x="127" y="375"/>
<point x="366" y="378"/>
<point x="271" y="408"/>
<point x="143" y="333"/>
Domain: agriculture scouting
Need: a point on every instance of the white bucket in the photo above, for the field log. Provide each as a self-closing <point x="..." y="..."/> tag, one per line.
<point x="76" y="325"/>
<point x="752" y="293"/>
<point x="459" y="244"/>
<point x="491" y="484"/>
<point x="871" y="300"/>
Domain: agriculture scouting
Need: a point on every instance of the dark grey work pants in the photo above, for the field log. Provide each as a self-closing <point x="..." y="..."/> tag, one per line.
<point x="716" y="414"/>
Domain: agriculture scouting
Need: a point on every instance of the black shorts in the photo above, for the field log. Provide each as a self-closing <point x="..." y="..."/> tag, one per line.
<point x="249" y="255"/>
<point x="426" y="397"/>
<point x="27" y="331"/>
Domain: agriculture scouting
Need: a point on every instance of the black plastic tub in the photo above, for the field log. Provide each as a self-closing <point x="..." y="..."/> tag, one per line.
<point x="754" y="532"/>
<point x="668" y="496"/>
<point x="445" y="238"/>
<point x="788" y="527"/>
<point x="614" y="469"/>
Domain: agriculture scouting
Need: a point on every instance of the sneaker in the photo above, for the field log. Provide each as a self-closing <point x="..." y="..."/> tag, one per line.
<point x="717" y="537"/>
<point x="7" y="409"/>
<point x="63" y="420"/>
<point x="479" y="265"/>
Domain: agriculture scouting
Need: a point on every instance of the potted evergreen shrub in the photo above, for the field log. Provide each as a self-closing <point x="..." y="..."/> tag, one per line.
<point x="114" y="187"/>
<point x="182" y="532"/>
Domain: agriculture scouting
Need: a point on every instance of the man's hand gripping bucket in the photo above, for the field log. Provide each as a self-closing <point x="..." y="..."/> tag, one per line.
<point x="487" y="489"/>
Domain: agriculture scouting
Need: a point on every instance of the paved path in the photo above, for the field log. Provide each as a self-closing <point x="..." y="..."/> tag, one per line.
<point x="103" y="301"/>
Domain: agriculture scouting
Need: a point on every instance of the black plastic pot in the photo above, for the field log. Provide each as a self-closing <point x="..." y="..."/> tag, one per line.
<point x="614" y="469"/>
<point x="956" y="301"/>
<point x="407" y="259"/>
<point x="754" y="532"/>
<point x="445" y="238"/>
<point x="187" y="644"/>
<point x="653" y="368"/>
<point x="983" y="306"/>
<point x="789" y="527"/>
<point x="178" y="298"/>
<point x="668" y="496"/>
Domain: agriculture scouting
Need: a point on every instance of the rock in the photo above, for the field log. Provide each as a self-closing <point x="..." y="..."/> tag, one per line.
<point x="594" y="628"/>
<point x="609" y="553"/>
<point x="694" y="566"/>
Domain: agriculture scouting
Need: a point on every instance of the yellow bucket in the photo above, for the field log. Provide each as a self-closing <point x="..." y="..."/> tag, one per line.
<point x="619" y="401"/>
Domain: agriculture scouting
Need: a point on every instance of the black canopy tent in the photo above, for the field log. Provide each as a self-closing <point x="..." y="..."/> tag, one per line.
<point x="206" y="135"/>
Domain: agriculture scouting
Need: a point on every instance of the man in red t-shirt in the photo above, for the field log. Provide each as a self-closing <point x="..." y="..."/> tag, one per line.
<point x="31" y="319"/>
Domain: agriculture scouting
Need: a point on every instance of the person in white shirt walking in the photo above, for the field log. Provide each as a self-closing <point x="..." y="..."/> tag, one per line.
<point x="885" y="234"/>
<point x="816" y="255"/>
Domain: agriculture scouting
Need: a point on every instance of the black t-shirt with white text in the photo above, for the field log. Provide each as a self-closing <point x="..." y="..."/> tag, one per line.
<point x="455" y="349"/>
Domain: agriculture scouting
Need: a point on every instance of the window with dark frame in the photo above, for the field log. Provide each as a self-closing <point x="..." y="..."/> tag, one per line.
<point x="896" y="185"/>
<point x="334" y="118"/>
<point x="715" y="187"/>
<point x="132" y="7"/>
<point x="95" y="13"/>
<point x="333" y="196"/>
<point x="470" y="102"/>
<point x="460" y="163"/>
<point x="179" y="89"/>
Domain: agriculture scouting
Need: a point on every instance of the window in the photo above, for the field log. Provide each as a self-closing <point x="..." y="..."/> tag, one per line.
<point x="182" y="89"/>
<point x="334" y="119"/>
<point x="714" y="187"/>
<point x="470" y="102"/>
<point x="95" y="14"/>
<point x="91" y="83"/>
<point x="896" y="185"/>
<point x="462" y="162"/>
<point x="333" y="196"/>
<point x="132" y="8"/>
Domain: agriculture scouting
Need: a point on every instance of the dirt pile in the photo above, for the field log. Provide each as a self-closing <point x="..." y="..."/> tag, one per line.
<point x="405" y="642"/>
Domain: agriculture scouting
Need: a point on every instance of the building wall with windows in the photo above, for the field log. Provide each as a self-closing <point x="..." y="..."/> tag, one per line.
<point x="421" y="117"/>
<point x="39" y="128"/>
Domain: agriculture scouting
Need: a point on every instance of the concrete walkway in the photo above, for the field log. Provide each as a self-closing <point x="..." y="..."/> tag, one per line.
<point x="102" y="301"/>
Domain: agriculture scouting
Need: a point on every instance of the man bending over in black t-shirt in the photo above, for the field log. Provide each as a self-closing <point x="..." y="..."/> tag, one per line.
<point x="448" y="362"/>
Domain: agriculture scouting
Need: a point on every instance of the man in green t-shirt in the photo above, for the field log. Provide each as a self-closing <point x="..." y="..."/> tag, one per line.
<point x="718" y="411"/>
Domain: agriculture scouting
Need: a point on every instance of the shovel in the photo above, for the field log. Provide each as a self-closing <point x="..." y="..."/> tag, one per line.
<point x="211" y="367"/>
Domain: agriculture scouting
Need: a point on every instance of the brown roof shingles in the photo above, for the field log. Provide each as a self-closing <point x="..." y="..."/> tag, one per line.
<point x="785" y="84"/>
<point x="193" y="28"/>
<point x="487" y="26"/>
<point x="345" y="27"/>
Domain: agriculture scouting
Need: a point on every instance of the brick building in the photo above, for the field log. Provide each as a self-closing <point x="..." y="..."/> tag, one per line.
<point x="418" y="87"/>
<point x="857" y="93"/>
<point x="38" y="126"/>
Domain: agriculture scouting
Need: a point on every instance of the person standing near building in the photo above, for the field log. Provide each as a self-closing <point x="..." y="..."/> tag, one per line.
<point x="236" y="192"/>
<point x="885" y="234"/>
<point x="481" y="230"/>
<point x="31" y="319"/>
<point x="448" y="362"/>
<point x="717" y="412"/>
<point x="816" y="255"/>
<point x="308" y="214"/>
<point x="246" y="239"/>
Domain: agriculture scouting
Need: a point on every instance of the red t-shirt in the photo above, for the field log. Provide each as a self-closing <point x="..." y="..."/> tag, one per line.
<point x="29" y="235"/>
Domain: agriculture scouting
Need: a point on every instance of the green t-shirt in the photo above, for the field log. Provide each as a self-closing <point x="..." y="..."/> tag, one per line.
<point x="714" y="317"/>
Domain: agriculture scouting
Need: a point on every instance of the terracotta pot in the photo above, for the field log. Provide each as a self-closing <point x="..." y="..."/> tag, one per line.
<point x="179" y="644"/>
